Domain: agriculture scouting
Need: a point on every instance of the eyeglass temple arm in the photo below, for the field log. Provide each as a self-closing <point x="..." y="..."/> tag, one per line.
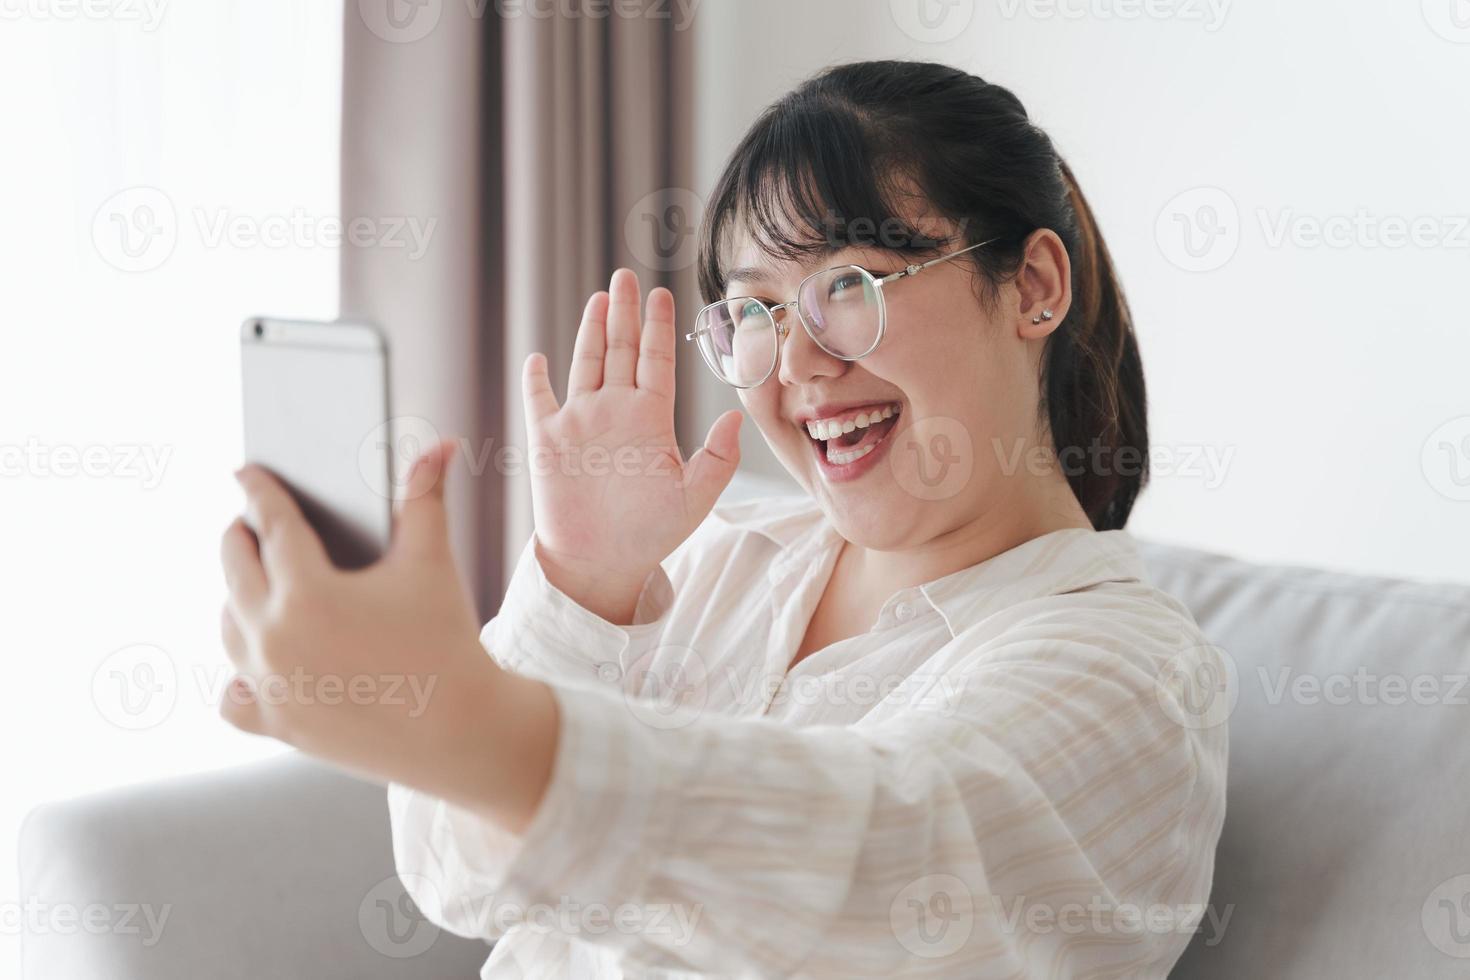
<point x="914" y="270"/>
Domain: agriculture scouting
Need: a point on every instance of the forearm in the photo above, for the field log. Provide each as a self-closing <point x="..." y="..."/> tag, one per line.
<point x="486" y="743"/>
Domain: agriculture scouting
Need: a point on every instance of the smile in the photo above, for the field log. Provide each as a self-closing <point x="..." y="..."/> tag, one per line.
<point x="843" y="439"/>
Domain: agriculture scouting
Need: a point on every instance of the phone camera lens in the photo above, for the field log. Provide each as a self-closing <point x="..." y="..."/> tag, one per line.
<point x="259" y="329"/>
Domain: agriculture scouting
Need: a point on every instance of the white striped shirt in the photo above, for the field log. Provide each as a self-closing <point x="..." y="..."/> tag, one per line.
<point x="1016" y="772"/>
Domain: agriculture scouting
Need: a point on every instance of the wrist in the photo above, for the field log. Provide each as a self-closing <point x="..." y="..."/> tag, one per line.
<point x="611" y="594"/>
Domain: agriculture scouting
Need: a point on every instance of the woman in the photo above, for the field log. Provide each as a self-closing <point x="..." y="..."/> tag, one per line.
<point x="924" y="721"/>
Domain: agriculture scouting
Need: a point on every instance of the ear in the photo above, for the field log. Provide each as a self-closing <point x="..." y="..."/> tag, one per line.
<point x="1043" y="283"/>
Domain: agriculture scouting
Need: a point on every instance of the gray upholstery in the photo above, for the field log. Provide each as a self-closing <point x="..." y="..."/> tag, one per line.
<point x="279" y="869"/>
<point x="1348" y="822"/>
<point x="1348" y="813"/>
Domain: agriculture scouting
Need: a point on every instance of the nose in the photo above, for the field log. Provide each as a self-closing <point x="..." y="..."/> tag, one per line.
<point x="801" y="359"/>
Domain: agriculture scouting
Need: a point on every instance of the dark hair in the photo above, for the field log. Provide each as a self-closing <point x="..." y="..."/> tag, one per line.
<point x="827" y="166"/>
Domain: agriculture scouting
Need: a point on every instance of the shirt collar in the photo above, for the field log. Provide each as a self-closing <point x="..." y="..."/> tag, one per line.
<point x="1069" y="560"/>
<point x="1055" y="563"/>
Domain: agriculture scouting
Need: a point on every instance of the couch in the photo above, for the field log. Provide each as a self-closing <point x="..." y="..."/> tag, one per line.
<point x="1345" y="852"/>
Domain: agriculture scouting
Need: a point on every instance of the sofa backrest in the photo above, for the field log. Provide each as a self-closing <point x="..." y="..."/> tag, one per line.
<point x="1346" y="847"/>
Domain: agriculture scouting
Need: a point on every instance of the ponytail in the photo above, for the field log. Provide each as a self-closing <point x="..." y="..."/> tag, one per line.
<point x="1092" y="379"/>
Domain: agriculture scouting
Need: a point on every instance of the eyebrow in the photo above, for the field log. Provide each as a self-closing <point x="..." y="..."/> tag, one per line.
<point x="747" y="273"/>
<point x="755" y="274"/>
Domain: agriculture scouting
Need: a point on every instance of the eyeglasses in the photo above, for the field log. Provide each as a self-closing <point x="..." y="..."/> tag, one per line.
<point x="841" y="309"/>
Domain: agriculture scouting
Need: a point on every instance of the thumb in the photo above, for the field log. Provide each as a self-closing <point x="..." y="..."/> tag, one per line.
<point x="422" y="525"/>
<point x="709" y="471"/>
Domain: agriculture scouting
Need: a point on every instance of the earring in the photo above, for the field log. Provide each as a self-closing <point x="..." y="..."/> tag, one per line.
<point x="1045" y="315"/>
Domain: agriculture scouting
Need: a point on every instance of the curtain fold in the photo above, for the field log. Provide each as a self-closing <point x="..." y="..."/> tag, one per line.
<point x="596" y="177"/>
<point x="549" y="150"/>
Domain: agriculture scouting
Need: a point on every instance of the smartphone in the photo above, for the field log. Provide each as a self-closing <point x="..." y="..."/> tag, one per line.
<point x="316" y="415"/>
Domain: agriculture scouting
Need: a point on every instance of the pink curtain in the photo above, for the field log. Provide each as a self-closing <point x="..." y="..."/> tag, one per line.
<point x="549" y="150"/>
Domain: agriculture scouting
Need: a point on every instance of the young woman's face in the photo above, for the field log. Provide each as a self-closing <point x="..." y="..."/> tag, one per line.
<point x="943" y="414"/>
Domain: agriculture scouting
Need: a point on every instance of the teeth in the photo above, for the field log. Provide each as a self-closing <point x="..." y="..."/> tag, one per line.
<point x="842" y="459"/>
<point x="825" y="429"/>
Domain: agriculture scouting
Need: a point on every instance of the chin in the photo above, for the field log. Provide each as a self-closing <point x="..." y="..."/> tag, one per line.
<point x="879" y="516"/>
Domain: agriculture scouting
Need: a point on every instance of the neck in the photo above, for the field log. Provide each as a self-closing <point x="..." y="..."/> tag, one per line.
<point x="1019" y="512"/>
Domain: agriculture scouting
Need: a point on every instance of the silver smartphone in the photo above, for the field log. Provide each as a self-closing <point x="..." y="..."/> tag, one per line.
<point x="316" y="415"/>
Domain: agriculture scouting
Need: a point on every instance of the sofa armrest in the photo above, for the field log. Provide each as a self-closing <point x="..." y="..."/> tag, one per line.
<point x="282" y="868"/>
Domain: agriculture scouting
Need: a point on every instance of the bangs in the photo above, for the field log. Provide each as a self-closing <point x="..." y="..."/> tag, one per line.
<point x="808" y="181"/>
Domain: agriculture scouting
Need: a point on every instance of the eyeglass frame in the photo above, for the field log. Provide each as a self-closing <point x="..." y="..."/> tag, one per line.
<point x="782" y="329"/>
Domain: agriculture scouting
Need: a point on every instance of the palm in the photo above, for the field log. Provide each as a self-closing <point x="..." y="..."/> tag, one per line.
<point x="611" y="491"/>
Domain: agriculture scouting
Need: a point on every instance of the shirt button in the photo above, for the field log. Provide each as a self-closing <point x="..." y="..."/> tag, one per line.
<point x="904" y="612"/>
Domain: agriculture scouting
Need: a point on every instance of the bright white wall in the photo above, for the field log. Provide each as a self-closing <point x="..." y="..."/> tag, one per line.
<point x="1326" y="375"/>
<point x="135" y="134"/>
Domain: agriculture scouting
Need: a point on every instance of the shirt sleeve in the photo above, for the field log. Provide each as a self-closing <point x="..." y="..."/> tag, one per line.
<point x="1052" y="809"/>
<point x="542" y="632"/>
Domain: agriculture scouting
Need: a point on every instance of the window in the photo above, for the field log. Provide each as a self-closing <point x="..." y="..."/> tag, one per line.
<point x="169" y="170"/>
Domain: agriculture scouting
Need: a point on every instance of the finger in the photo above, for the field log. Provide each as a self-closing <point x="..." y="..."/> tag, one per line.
<point x="656" y="347"/>
<point x="244" y="574"/>
<point x="620" y="366"/>
<point x="422" y="528"/>
<point x="710" y="470"/>
<point x="240" y="707"/>
<point x="236" y="650"/>
<point x="289" y="546"/>
<point x="536" y="393"/>
<point x="591" y="347"/>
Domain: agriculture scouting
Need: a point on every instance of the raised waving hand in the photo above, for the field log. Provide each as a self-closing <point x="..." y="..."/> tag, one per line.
<point x="611" y="492"/>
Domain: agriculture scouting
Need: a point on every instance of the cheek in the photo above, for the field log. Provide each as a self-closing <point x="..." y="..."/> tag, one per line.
<point x="763" y="405"/>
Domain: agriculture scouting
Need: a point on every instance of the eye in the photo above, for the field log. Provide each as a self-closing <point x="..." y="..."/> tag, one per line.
<point x="843" y="286"/>
<point x="748" y="313"/>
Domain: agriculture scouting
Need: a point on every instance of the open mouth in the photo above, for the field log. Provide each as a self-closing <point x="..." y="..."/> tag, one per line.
<point x="842" y="440"/>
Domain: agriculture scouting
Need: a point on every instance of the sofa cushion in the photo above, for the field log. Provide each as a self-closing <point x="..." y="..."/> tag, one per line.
<point x="1346" y="847"/>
